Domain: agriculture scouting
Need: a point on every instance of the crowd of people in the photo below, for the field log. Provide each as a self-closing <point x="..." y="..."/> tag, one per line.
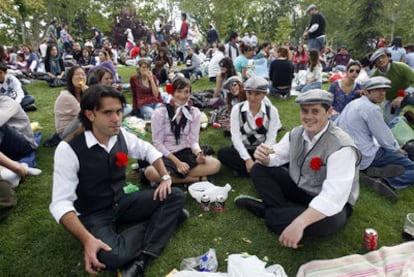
<point x="315" y="165"/>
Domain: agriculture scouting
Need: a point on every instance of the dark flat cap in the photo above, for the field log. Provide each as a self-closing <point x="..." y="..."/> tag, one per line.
<point x="315" y="96"/>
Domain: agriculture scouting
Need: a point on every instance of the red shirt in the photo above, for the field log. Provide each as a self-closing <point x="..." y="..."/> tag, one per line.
<point x="142" y="95"/>
<point x="184" y="30"/>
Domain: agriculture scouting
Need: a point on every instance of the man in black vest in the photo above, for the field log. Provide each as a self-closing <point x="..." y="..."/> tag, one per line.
<point x="321" y="177"/>
<point x="88" y="196"/>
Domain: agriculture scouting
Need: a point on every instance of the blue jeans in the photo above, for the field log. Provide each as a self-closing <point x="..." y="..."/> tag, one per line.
<point x="390" y="113"/>
<point x="153" y="224"/>
<point x="147" y="110"/>
<point x="27" y="100"/>
<point x="316" y="43"/>
<point x="305" y="88"/>
<point x="182" y="44"/>
<point x="188" y="72"/>
<point x="385" y="157"/>
<point x="159" y="36"/>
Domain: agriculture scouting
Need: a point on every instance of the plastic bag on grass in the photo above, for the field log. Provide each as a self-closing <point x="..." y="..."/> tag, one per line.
<point x="240" y="265"/>
<point x="205" y="263"/>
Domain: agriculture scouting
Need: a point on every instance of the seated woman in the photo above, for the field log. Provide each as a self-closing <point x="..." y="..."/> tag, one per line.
<point x="103" y="76"/>
<point x="67" y="104"/>
<point x="281" y="73"/>
<point x="313" y="73"/>
<point x="235" y="92"/>
<point x="253" y="122"/>
<point x="54" y="66"/>
<point x="227" y="70"/>
<point x="105" y="61"/>
<point x="346" y="89"/>
<point x="162" y="65"/>
<point x="175" y="133"/>
<point x="145" y="94"/>
<point x="241" y="63"/>
<point x="86" y="60"/>
<point x="299" y="58"/>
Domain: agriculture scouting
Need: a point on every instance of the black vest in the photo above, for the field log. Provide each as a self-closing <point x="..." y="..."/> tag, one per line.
<point x="100" y="180"/>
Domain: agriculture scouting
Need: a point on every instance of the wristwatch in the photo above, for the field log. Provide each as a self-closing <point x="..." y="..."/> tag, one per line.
<point x="165" y="177"/>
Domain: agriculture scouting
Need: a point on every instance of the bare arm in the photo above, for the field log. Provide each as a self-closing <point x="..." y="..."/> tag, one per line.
<point x="164" y="188"/>
<point x="219" y="82"/>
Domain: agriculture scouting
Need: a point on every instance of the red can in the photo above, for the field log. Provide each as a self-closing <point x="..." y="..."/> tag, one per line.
<point x="216" y="125"/>
<point x="371" y="239"/>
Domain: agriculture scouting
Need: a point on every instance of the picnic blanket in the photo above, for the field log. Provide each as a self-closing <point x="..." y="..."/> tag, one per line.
<point x="387" y="261"/>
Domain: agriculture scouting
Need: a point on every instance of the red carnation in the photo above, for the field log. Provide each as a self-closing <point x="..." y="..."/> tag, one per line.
<point x="121" y="159"/>
<point x="259" y="122"/>
<point x="316" y="163"/>
<point x="401" y="93"/>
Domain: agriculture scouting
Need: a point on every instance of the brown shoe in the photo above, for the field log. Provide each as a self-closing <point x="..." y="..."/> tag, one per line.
<point x="388" y="171"/>
<point x="381" y="186"/>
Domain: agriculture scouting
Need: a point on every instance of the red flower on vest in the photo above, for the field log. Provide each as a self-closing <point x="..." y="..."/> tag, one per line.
<point x="121" y="159"/>
<point x="316" y="163"/>
<point x="259" y="122"/>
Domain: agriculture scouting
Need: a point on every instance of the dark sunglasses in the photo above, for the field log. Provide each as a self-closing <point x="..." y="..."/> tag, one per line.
<point x="354" y="70"/>
<point x="234" y="84"/>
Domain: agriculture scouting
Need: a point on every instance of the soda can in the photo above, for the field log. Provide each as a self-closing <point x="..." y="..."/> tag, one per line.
<point x="212" y="118"/>
<point x="371" y="239"/>
<point x="205" y="203"/>
<point x="216" y="125"/>
<point x="219" y="204"/>
<point x="135" y="170"/>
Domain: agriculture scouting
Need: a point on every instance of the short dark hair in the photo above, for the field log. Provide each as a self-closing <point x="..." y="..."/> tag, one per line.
<point x="181" y="83"/>
<point x="184" y="15"/>
<point x="91" y="101"/>
<point x="3" y="66"/>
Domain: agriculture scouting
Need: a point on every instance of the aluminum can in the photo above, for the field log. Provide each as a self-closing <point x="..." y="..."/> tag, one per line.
<point x="135" y="170"/>
<point x="371" y="239"/>
<point x="205" y="203"/>
<point x="213" y="118"/>
<point x="216" y="125"/>
<point x="219" y="204"/>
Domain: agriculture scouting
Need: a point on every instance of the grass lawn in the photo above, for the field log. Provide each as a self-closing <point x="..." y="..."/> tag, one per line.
<point x="33" y="244"/>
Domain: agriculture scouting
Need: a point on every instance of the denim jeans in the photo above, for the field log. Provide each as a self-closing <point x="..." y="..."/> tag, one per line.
<point x="27" y="100"/>
<point x="147" y="110"/>
<point x="316" y="43"/>
<point x="385" y="157"/>
<point x="187" y="72"/>
<point x="13" y="144"/>
<point x="390" y="113"/>
<point x="153" y="222"/>
<point x="182" y="44"/>
<point x="305" y="88"/>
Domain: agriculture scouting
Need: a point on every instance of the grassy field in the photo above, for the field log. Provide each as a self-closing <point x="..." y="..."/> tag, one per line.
<point x="33" y="244"/>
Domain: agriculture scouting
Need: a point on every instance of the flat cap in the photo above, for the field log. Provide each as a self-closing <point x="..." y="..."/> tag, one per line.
<point x="310" y="7"/>
<point x="256" y="83"/>
<point x="378" y="53"/>
<point x="315" y="96"/>
<point x="232" y="79"/>
<point x="377" y="82"/>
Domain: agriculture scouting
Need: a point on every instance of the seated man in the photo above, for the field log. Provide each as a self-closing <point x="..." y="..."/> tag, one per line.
<point x="363" y="120"/>
<point x="322" y="176"/>
<point x="88" y="197"/>
<point x="193" y="65"/>
<point x="17" y="139"/>
<point x="11" y="86"/>
<point x="401" y="92"/>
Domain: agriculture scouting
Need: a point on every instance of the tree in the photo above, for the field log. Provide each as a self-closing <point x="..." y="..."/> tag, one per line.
<point x="128" y="19"/>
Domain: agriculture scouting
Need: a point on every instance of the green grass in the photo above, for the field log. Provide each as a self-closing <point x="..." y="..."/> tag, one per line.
<point x="33" y="244"/>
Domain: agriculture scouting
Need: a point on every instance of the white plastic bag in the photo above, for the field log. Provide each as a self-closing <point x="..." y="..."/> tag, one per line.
<point x="197" y="190"/>
<point x="205" y="263"/>
<point x="241" y="266"/>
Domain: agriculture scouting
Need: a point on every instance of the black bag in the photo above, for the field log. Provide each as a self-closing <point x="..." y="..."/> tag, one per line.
<point x="8" y="199"/>
<point x="409" y="148"/>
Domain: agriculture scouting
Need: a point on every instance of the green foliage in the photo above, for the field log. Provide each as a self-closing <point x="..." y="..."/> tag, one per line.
<point x="33" y="244"/>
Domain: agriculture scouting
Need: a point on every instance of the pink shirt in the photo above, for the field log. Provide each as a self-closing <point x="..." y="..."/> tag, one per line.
<point x="162" y="137"/>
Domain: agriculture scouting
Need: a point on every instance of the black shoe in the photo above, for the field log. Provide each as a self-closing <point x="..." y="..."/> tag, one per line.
<point x="388" y="171"/>
<point x="251" y="204"/>
<point x="184" y="215"/>
<point x="133" y="269"/>
<point x="30" y="108"/>
<point x="409" y="115"/>
<point x="380" y="186"/>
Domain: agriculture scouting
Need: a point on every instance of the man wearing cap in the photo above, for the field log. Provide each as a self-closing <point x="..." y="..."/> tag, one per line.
<point x="322" y="175"/>
<point x="401" y="91"/>
<point x="381" y="155"/>
<point x="252" y="122"/>
<point x="316" y="30"/>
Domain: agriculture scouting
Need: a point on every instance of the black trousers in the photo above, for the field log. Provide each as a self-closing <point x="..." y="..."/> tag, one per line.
<point x="278" y="190"/>
<point x="231" y="158"/>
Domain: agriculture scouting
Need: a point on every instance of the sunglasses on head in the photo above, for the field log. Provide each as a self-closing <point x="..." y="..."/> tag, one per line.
<point x="354" y="70"/>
